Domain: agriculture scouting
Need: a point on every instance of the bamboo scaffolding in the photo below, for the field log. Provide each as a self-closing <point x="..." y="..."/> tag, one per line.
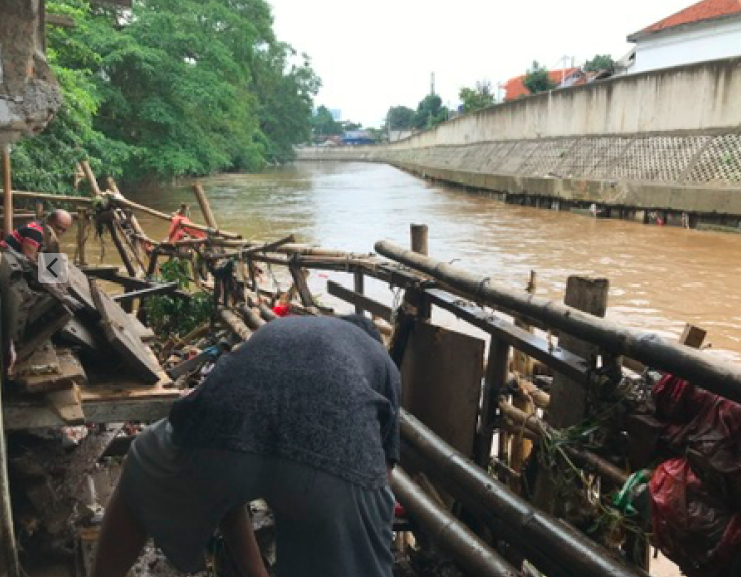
<point x="47" y="196"/>
<point x="715" y="375"/>
<point x="447" y="532"/>
<point x="547" y="542"/>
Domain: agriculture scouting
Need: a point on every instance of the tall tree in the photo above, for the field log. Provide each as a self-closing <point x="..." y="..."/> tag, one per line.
<point x="481" y="96"/>
<point x="537" y="79"/>
<point x="430" y="112"/>
<point x="600" y="62"/>
<point x="400" y="118"/>
<point x="324" y="124"/>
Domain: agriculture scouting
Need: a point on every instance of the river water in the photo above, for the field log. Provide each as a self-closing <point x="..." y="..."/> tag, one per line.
<point x="660" y="277"/>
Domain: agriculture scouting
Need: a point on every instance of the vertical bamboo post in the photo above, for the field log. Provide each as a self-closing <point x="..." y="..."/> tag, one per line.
<point x="81" y="236"/>
<point x="208" y="214"/>
<point x="522" y="366"/>
<point x="8" y="198"/>
<point x="359" y="285"/>
<point x="419" y="237"/>
<point x="39" y="210"/>
<point x="497" y="371"/>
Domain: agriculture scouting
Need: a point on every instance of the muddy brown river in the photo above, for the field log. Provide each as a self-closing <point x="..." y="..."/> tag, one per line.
<point x="660" y="277"/>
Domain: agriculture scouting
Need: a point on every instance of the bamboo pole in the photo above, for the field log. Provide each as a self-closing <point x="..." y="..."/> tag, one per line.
<point x="447" y="532"/>
<point x="8" y="195"/>
<point x="48" y="196"/>
<point x="90" y="177"/>
<point x="140" y="207"/>
<point x="234" y="323"/>
<point x="718" y="376"/>
<point x="208" y="214"/>
<point x="546" y="541"/>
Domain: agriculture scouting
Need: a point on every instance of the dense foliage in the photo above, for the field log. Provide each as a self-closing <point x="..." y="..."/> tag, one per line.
<point x="481" y="96"/>
<point x="324" y="123"/>
<point x="430" y="112"/>
<point x="171" y="88"/>
<point x="599" y="63"/>
<point x="400" y="118"/>
<point x="537" y="79"/>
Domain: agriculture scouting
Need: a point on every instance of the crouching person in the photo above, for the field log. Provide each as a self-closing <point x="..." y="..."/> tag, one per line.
<point x="303" y="415"/>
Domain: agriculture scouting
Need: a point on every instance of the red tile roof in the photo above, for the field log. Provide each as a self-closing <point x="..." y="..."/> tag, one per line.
<point x="515" y="87"/>
<point x="704" y="10"/>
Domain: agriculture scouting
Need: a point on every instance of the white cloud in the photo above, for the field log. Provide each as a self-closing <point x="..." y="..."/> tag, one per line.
<point x="373" y="55"/>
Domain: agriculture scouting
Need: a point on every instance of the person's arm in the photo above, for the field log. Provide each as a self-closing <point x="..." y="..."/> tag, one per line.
<point x="236" y="527"/>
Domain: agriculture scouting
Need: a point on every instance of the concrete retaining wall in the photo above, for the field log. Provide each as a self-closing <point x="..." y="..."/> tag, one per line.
<point x="668" y="140"/>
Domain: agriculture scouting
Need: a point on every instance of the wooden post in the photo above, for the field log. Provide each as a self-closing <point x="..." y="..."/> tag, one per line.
<point x="497" y="371"/>
<point x="39" y="210"/>
<point x="569" y="399"/>
<point x="81" y="236"/>
<point x="522" y="366"/>
<point x="208" y="215"/>
<point x="568" y="405"/>
<point x="359" y="286"/>
<point x="8" y="197"/>
<point x="419" y="236"/>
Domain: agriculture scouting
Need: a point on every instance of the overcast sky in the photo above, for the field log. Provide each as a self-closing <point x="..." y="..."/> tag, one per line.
<point x="374" y="54"/>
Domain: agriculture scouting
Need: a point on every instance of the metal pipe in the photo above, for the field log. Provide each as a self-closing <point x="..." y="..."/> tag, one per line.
<point x="706" y="371"/>
<point x="448" y="533"/>
<point x="542" y="538"/>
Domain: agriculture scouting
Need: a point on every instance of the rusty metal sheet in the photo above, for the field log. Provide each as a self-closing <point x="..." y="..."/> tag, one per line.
<point x="124" y="337"/>
<point x="442" y="373"/>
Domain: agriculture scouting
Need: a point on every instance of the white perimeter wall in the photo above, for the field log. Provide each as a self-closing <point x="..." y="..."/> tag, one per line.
<point x="697" y="97"/>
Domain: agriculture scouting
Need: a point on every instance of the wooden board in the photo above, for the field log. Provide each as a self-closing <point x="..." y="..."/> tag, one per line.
<point x="442" y="373"/>
<point x="79" y="287"/>
<point x="88" y="339"/>
<point x="118" y="329"/>
<point x="49" y="370"/>
<point x="145" y="333"/>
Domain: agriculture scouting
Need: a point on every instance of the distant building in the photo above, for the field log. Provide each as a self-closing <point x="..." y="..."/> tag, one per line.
<point x="708" y="30"/>
<point x="515" y="87"/>
<point x="356" y="137"/>
<point x="336" y="114"/>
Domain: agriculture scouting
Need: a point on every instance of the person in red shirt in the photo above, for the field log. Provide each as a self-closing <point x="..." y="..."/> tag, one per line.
<point x="28" y="239"/>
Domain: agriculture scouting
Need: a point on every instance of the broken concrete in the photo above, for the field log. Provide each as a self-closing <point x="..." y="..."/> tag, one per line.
<point x="29" y="94"/>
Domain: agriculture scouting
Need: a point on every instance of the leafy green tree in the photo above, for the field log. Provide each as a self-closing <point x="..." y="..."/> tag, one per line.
<point x="324" y="124"/>
<point x="47" y="161"/>
<point x="348" y="126"/>
<point x="430" y="112"/>
<point x="400" y="118"/>
<point x="174" y="88"/>
<point x="481" y="96"/>
<point x="600" y="62"/>
<point x="537" y="79"/>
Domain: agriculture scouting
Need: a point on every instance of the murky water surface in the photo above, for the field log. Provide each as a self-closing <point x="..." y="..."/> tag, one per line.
<point x="660" y="277"/>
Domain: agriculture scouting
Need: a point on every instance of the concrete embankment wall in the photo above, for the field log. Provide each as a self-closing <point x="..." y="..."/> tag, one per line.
<point x="667" y="142"/>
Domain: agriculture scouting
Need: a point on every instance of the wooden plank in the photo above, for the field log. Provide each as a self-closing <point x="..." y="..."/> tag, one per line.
<point x="88" y="338"/>
<point x="67" y="405"/>
<point x="300" y="284"/>
<point x="442" y="372"/>
<point x="360" y="301"/>
<point x="43" y="329"/>
<point x="155" y="289"/>
<point x="79" y="287"/>
<point x="117" y="327"/>
<point x="50" y="370"/>
<point x="145" y="333"/>
<point x="557" y="358"/>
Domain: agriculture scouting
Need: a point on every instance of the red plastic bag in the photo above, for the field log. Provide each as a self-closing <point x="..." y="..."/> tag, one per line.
<point x="691" y="523"/>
